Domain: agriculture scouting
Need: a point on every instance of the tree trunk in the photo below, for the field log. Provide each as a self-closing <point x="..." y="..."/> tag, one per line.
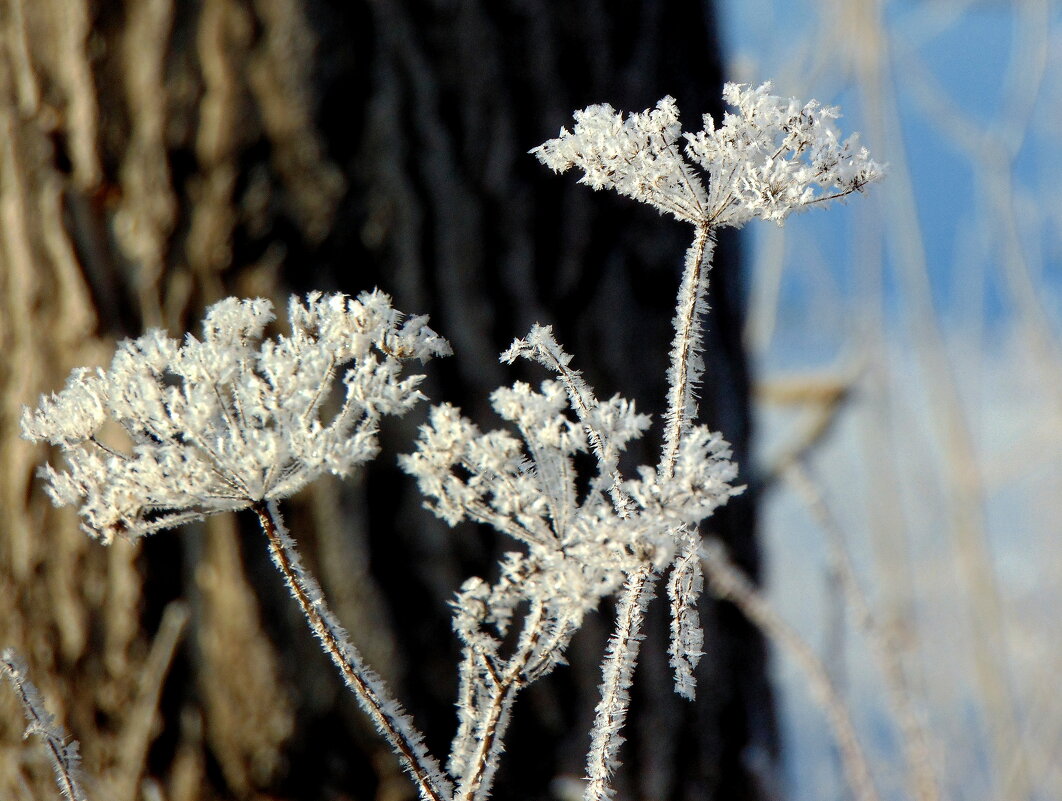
<point x="156" y="156"/>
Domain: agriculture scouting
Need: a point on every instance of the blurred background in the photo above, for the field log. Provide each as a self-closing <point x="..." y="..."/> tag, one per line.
<point x="889" y="373"/>
<point x="908" y="379"/>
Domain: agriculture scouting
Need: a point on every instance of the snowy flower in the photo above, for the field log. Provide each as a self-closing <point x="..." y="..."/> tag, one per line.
<point x="580" y="544"/>
<point x="583" y="539"/>
<point x="771" y="158"/>
<point x="229" y="420"/>
<point x="638" y="156"/>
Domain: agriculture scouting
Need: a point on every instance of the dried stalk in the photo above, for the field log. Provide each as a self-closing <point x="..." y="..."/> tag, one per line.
<point x="63" y="755"/>
<point x="490" y="730"/>
<point x="385" y="712"/>
<point x="617" y="674"/>
<point x="686" y="365"/>
<point x="916" y="748"/>
<point x="136" y="735"/>
<point x="729" y="583"/>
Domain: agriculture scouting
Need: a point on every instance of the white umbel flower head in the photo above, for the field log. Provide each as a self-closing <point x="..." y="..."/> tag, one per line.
<point x="579" y="544"/>
<point x="771" y="158"/>
<point x="229" y="420"/>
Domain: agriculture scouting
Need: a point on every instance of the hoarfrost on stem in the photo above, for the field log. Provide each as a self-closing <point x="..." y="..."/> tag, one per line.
<point x="62" y="751"/>
<point x="769" y="158"/>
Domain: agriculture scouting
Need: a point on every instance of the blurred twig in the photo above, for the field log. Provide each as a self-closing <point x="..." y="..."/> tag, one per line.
<point x="885" y="639"/>
<point x="728" y="582"/>
<point x="824" y="397"/>
<point x="137" y="734"/>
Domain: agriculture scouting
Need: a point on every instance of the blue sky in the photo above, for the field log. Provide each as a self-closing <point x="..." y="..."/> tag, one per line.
<point x="977" y="55"/>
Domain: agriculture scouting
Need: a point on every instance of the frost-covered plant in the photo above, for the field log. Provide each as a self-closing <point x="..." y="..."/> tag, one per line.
<point x="226" y="423"/>
<point x="62" y="751"/>
<point x="770" y="159"/>
<point x="230" y="422"/>
<point x="576" y="551"/>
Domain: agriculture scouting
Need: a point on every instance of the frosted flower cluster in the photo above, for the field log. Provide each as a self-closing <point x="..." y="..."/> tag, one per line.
<point x="580" y="545"/>
<point x="769" y="159"/>
<point x="582" y="540"/>
<point x="228" y="420"/>
<point x="175" y="430"/>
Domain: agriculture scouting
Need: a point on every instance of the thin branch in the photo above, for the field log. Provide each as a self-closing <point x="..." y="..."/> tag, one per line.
<point x="617" y="673"/>
<point x="489" y="734"/>
<point x="915" y="738"/>
<point x="63" y="755"/>
<point x="827" y="399"/>
<point x="729" y="583"/>
<point x="476" y="784"/>
<point x="386" y="713"/>
<point x="136" y="735"/>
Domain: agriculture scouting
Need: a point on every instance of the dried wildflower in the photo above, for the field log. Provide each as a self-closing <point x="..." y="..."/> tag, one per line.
<point x="578" y="545"/>
<point x="773" y="157"/>
<point x="227" y="421"/>
<point x="231" y="421"/>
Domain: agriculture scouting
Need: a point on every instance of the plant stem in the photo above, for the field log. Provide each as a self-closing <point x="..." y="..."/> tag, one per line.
<point x="491" y="731"/>
<point x="617" y="673"/>
<point x="729" y="583"/>
<point x="683" y="374"/>
<point x="386" y="713"/>
<point x="495" y="720"/>
<point x="686" y="366"/>
<point x="64" y="757"/>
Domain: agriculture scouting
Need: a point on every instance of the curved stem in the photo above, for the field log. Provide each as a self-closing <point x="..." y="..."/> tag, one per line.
<point x="386" y="713"/>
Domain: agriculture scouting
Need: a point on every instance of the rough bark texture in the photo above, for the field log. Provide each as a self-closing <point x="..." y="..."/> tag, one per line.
<point x="157" y="155"/>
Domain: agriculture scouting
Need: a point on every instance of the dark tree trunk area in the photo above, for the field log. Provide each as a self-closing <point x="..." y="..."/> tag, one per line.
<point x="198" y="149"/>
